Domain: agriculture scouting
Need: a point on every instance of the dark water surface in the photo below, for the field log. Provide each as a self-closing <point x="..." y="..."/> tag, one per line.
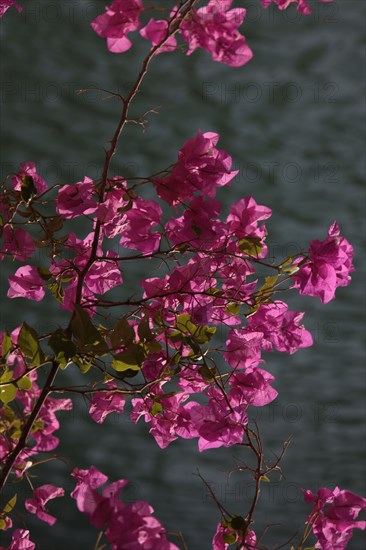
<point x="293" y="121"/>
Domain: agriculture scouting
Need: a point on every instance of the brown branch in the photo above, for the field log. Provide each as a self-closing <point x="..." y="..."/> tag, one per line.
<point x="28" y="426"/>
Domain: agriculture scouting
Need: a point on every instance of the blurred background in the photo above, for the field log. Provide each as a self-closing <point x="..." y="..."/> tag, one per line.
<point x="292" y="119"/>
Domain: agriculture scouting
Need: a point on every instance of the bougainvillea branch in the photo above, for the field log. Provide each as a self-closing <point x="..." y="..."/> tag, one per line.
<point x="159" y="349"/>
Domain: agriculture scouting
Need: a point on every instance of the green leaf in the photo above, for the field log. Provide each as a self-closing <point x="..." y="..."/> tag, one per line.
<point x="265" y="291"/>
<point x="82" y="362"/>
<point x="181" y="321"/>
<point x="44" y="273"/>
<point x="153" y="347"/>
<point x="287" y="262"/>
<point x="10" y="505"/>
<point x="290" y="271"/>
<point x="27" y="188"/>
<point x="63" y="348"/>
<point x="229" y="538"/>
<point x="87" y="336"/>
<point x="8" y="393"/>
<point x="265" y="478"/>
<point x="201" y="334"/>
<point x="29" y="345"/>
<point x="156" y="408"/>
<point x="237" y="523"/>
<point x="7" y="344"/>
<point x="251" y="246"/>
<point x="129" y="360"/>
<point x="57" y="291"/>
<point x="206" y="373"/>
<point x="233" y="308"/>
<point x="54" y="224"/>
<point x="175" y="336"/>
<point x="24" y="383"/>
<point x="122" y="333"/>
<point x="144" y="331"/>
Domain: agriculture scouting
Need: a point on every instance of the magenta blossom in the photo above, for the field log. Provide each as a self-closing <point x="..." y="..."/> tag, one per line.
<point x="327" y="267"/>
<point x="20" y="541"/>
<point x="74" y="200"/>
<point x="215" y="29"/>
<point x="17" y="242"/>
<point x="281" y="328"/>
<point x="222" y="533"/>
<point x="120" y="18"/>
<point x="6" y="4"/>
<point x="128" y="526"/>
<point x="253" y="386"/>
<point x="41" y="496"/>
<point x="106" y="402"/>
<point x="26" y="283"/>
<point x="302" y="5"/>
<point x="29" y="169"/>
<point x="156" y="31"/>
<point x="243" y="223"/>
<point x="243" y="348"/>
<point x="201" y="168"/>
<point x="333" y="516"/>
<point x="139" y="221"/>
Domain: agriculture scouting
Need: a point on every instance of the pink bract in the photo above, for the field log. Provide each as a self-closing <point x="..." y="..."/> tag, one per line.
<point x="215" y="29"/>
<point x="6" y="4"/>
<point x="121" y="18"/>
<point x="41" y="496"/>
<point x="26" y="283"/>
<point x="20" y="541"/>
<point x="328" y="266"/>
<point x="334" y="515"/>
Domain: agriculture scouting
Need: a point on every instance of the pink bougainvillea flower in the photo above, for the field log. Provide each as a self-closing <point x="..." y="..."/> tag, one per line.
<point x="222" y="533"/>
<point x="41" y="496"/>
<point x="120" y="18"/>
<point x="29" y="169"/>
<point x="215" y="29"/>
<point x="129" y="526"/>
<point x="254" y="387"/>
<point x="191" y="381"/>
<point x="20" y="541"/>
<point x="6" y="4"/>
<point x="333" y="516"/>
<point x="26" y="283"/>
<point x="328" y="266"/>
<point x="197" y="227"/>
<point x="45" y="440"/>
<point x="281" y="328"/>
<point x="201" y="168"/>
<point x="139" y="221"/>
<point x="75" y="200"/>
<point x="163" y="414"/>
<point x="156" y="31"/>
<point x="302" y="5"/>
<point x="103" y="275"/>
<point x="106" y="402"/>
<point x="243" y="348"/>
<point x="243" y="223"/>
<point x="17" y="242"/>
<point x="219" y="423"/>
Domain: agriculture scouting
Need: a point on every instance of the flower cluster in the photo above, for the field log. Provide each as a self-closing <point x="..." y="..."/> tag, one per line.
<point x="302" y="5"/>
<point x="163" y="355"/>
<point x="6" y="4"/>
<point x="27" y="392"/>
<point x="333" y="517"/>
<point x="126" y="525"/>
<point x="213" y="27"/>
